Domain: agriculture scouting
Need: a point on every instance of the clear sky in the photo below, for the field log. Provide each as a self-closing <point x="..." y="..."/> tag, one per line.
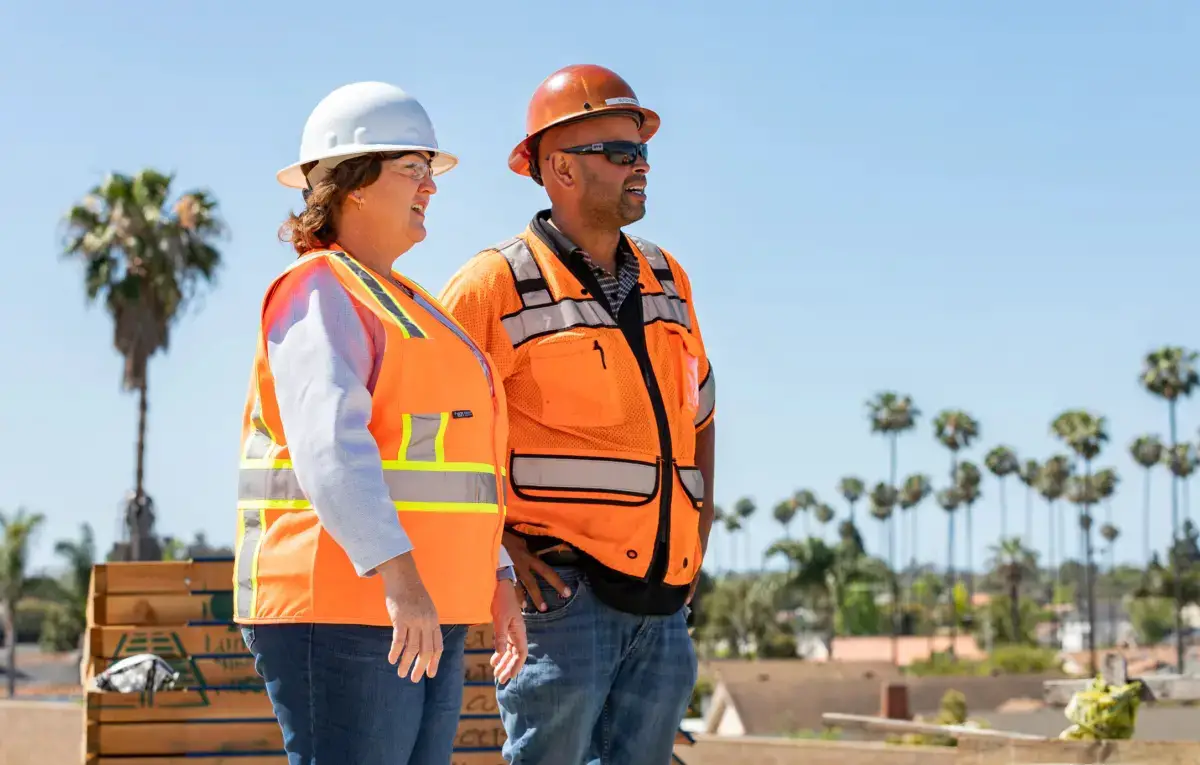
<point x="991" y="206"/>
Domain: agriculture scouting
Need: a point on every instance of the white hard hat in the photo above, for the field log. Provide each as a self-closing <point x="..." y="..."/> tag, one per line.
<point x="363" y="118"/>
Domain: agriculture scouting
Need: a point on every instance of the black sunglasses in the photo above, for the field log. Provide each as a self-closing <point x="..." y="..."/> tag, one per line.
<point x="617" y="152"/>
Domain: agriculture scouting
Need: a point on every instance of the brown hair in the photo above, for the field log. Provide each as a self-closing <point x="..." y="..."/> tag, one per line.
<point x="316" y="225"/>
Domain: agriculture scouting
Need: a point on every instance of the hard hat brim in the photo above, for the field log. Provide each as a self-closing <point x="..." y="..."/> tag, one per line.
<point x="293" y="177"/>
<point x="518" y="159"/>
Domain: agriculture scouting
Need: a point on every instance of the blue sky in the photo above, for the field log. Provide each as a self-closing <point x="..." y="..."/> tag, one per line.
<point x="988" y="206"/>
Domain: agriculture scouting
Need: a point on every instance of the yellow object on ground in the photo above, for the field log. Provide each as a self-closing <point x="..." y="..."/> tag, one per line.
<point x="1102" y="712"/>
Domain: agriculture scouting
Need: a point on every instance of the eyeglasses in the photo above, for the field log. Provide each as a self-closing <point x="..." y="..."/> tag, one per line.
<point x="617" y="152"/>
<point x="413" y="166"/>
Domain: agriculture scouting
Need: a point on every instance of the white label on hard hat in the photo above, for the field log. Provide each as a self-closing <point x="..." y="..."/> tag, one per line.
<point x="621" y="100"/>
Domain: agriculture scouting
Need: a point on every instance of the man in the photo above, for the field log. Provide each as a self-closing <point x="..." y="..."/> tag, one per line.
<point x="610" y="468"/>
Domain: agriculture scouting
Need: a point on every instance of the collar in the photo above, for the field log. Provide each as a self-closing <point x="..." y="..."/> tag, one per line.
<point x="564" y="248"/>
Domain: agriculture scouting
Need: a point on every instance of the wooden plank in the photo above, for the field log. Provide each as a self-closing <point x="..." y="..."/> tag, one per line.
<point x="480" y="638"/>
<point x="166" y="706"/>
<point x="226" y="704"/>
<point x="235" y="671"/>
<point x="162" y="609"/>
<point x="477" y="735"/>
<point x="477" y="667"/>
<point x="233" y="759"/>
<point x="167" y="642"/>
<point x="475" y="758"/>
<point x="173" y="738"/>
<point x="163" y="577"/>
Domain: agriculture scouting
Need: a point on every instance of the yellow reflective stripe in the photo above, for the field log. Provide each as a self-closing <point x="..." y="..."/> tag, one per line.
<point x="266" y="464"/>
<point x="408" y="507"/>
<point x="375" y="288"/>
<point x="439" y="467"/>
<point x="439" y="441"/>
<point x="406" y="434"/>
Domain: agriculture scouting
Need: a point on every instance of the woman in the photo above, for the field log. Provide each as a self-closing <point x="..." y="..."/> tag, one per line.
<point x="370" y="496"/>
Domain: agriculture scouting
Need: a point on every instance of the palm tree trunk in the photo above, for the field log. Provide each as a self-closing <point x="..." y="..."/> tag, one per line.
<point x="1146" y="519"/>
<point x="1055" y="572"/>
<point x="1003" y="511"/>
<point x="10" y="647"/>
<point x="970" y="564"/>
<point x="1089" y="582"/>
<point x="1029" y="516"/>
<point x="135" y="540"/>
<point x="1178" y="580"/>
<point x="1112" y="607"/>
<point x="950" y="576"/>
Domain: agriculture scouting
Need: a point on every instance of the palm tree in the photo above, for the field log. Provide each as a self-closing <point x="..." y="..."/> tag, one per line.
<point x="145" y="258"/>
<point x="1168" y="373"/>
<point x="1086" y="434"/>
<point x="1002" y="462"/>
<point x="80" y="556"/>
<point x="852" y="488"/>
<point x="1109" y="533"/>
<point x="805" y="500"/>
<point x="969" y="481"/>
<point x="733" y="525"/>
<point x="1052" y="485"/>
<point x="950" y="499"/>
<point x="891" y="414"/>
<point x="916" y="488"/>
<point x="1181" y="461"/>
<point x="745" y="508"/>
<point x="1029" y="476"/>
<point x="883" y="502"/>
<point x="1014" y="562"/>
<point x="1146" y="451"/>
<point x="16" y="532"/>
<point x="823" y="513"/>
<point x="785" y="512"/>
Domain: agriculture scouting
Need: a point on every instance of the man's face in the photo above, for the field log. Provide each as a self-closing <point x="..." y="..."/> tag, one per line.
<point x="609" y="194"/>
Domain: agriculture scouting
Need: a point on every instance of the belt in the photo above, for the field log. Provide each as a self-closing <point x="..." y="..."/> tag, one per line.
<point x="560" y="555"/>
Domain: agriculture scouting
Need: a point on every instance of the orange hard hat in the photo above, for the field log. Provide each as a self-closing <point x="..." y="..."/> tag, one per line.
<point x="575" y="92"/>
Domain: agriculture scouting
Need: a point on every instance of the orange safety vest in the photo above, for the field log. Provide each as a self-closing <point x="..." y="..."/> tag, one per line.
<point x="595" y="458"/>
<point x="438" y="417"/>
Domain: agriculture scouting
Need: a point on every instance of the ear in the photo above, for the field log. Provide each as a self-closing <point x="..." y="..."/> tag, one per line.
<point x="560" y="168"/>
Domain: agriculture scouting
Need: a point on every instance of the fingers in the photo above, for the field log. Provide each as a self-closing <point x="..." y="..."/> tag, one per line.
<point x="436" y="658"/>
<point x="412" y="648"/>
<point x="551" y="576"/>
<point x="508" y="663"/>
<point x="399" y="637"/>
<point x="529" y="584"/>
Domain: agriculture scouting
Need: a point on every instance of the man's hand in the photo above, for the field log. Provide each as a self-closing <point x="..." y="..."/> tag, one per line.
<point x="508" y="625"/>
<point x="416" y="634"/>
<point x="525" y="564"/>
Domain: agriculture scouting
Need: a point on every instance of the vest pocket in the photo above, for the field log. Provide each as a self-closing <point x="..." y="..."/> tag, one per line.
<point x="685" y="349"/>
<point x="576" y="379"/>
<point x="692" y="481"/>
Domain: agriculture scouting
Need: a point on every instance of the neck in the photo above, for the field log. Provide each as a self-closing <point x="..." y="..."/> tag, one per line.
<point x="368" y="249"/>
<point x="599" y="244"/>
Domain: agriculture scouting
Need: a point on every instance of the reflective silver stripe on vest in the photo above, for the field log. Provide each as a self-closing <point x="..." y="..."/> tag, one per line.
<point x="665" y="308"/>
<point x="422" y="438"/>
<point x="658" y="262"/>
<point x="693" y="482"/>
<point x="542" y="320"/>
<point x="525" y="269"/>
<point x="708" y="397"/>
<point x="584" y="474"/>
<point x="429" y="486"/>
<point x="252" y="532"/>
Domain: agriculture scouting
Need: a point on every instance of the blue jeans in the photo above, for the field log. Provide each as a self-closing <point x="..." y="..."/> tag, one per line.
<point x="338" y="700"/>
<point x="599" y="686"/>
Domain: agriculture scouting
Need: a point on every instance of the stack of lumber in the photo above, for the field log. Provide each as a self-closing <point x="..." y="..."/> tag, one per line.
<point x="219" y="713"/>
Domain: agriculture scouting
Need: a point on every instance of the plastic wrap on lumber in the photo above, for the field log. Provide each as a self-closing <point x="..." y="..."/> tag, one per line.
<point x="224" y="672"/>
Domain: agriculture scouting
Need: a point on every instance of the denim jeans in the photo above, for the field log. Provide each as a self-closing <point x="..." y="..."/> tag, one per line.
<point x="338" y="700"/>
<point x="599" y="686"/>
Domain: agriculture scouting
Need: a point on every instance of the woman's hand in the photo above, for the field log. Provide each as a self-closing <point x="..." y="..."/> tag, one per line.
<point x="416" y="634"/>
<point x="508" y="625"/>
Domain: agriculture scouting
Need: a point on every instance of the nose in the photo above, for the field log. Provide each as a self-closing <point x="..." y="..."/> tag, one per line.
<point x="642" y="165"/>
<point x="428" y="185"/>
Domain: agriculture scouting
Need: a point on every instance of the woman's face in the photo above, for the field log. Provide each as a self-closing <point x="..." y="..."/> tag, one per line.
<point x="394" y="205"/>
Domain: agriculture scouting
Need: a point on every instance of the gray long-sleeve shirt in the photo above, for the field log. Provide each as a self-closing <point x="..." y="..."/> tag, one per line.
<point x="325" y="353"/>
